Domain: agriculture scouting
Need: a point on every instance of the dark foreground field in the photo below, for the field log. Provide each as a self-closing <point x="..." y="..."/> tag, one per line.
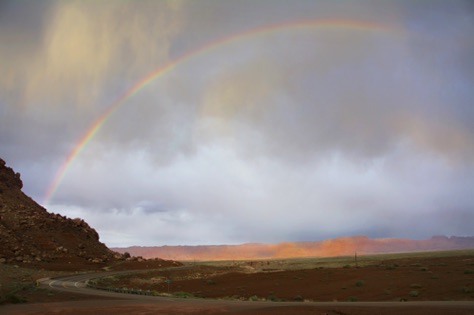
<point x="417" y="277"/>
<point x="402" y="284"/>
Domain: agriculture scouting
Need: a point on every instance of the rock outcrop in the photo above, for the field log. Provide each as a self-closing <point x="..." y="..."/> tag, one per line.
<point x="29" y="234"/>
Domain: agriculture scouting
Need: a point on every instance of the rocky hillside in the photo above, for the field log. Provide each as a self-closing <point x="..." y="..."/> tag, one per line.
<point x="31" y="235"/>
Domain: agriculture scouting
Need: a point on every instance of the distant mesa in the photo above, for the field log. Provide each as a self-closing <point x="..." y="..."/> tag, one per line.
<point x="341" y="246"/>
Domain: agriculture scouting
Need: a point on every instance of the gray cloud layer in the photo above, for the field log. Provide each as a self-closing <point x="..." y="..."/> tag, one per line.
<point x="295" y="134"/>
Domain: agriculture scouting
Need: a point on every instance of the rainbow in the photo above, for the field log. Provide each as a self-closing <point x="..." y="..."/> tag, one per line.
<point x="171" y="64"/>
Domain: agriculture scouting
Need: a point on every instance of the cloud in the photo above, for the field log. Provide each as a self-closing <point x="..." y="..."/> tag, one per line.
<point x="81" y="46"/>
<point x="66" y="61"/>
<point x="218" y="195"/>
<point x="292" y="134"/>
<point x="346" y="95"/>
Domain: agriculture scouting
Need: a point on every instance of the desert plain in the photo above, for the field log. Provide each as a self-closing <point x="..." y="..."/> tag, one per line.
<point x="412" y="283"/>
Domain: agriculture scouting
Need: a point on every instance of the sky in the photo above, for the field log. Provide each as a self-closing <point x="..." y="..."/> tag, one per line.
<point x="227" y="122"/>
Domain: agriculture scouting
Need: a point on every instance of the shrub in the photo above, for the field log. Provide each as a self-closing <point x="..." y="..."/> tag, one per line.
<point x="352" y="299"/>
<point x="392" y="266"/>
<point x="183" y="295"/>
<point x="232" y="298"/>
<point x="359" y="283"/>
<point x="466" y="289"/>
<point x="414" y="293"/>
<point x="415" y="286"/>
<point x="13" y="299"/>
<point x="468" y="271"/>
<point x="273" y="298"/>
<point x="298" y="298"/>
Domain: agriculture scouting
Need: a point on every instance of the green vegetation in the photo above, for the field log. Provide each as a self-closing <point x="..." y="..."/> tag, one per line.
<point x="391" y="267"/>
<point x="234" y="297"/>
<point x="14" y="295"/>
<point x="183" y="295"/>
<point x="466" y="289"/>
<point x="414" y="293"/>
<point x="273" y="298"/>
<point x="12" y="298"/>
<point x="359" y="283"/>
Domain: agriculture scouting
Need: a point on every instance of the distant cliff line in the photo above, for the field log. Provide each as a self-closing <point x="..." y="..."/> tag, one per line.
<point x="331" y="247"/>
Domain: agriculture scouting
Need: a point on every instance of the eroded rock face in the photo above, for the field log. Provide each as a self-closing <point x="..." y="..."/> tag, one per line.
<point x="9" y="178"/>
<point x="29" y="233"/>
